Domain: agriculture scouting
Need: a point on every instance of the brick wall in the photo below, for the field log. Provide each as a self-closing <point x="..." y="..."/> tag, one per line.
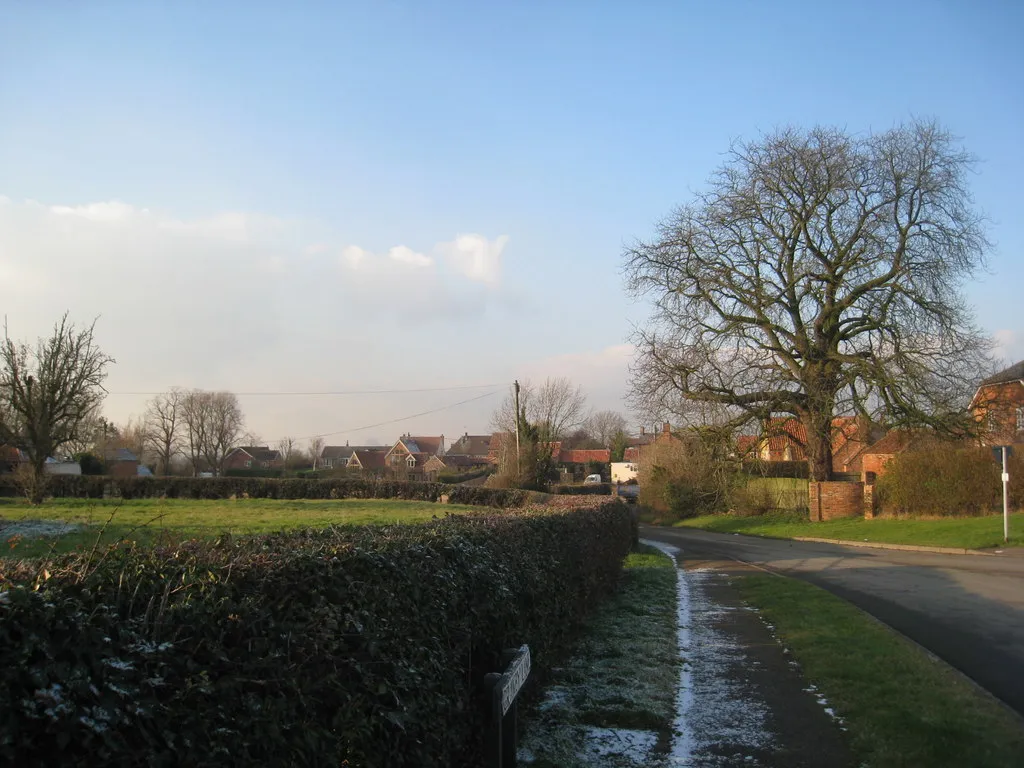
<point x="835" y="499"/>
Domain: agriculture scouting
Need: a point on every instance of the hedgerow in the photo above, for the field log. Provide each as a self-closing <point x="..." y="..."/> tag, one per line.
<point x="94" y="487"/>
<point x="948" y="479"/>
<point x="307" y="648"/>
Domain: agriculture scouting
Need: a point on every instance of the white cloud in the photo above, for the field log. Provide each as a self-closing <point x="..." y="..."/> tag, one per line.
<point x="108" y="212"/>
<point x="405" y="255"/>
<point x="242" y="301"/>
<point x="475" y="257"/>
<point x="1009" y="345"/>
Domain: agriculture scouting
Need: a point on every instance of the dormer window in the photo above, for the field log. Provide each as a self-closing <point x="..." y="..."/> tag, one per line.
<point x="411" y="461"/>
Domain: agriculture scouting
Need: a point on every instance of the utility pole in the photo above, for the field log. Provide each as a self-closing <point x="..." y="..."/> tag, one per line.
<point x="515" y="387"/>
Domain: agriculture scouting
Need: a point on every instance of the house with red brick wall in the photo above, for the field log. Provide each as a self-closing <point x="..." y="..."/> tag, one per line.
<point x="880" y="453"/>
<point x="121" y="462"/>
<point x="410" y="453"/>
<point x="477" y="446"/>
<point x="998" y="407"/>
<point x="636" y="445"/>
<point x="785" y="439"/>
<point x="253" y="457"/>
<point x="338" y="456"/>
<point x="368" y="461"/>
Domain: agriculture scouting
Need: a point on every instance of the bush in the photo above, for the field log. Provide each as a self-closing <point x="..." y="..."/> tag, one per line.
<point x="685" y="479"/>
<point x="596" y="489"/>
<point x="307" y="648"/>
<point x="947" y="479"/>
<point x="80" y="486"/>
<point x="254" y="472"/>
<point x="451" y="478"/>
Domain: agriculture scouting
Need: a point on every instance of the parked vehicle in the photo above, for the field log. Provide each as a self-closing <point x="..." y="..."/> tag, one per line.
<point x="592" y="480"/>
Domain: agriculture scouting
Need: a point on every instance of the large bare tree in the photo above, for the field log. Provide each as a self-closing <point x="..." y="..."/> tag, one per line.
<point x="212" y="423"/>
<point x="818" y="275"/>
<point x="48" y="391"/>
<point x="555" y="407"/>
<point x="164" y="427"/>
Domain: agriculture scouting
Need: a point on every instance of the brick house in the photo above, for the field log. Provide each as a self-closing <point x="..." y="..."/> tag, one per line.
<point x="477" y="446"/>
<point x="121" y="462"/>
<point x="339" y="456"/>
<point x="998" y="407"/>
<point x="369" y="461"/>
<point x="635" y="447"/>
<point x="785" y="439"/>
<point x="253" y="457"/>
<point x="409" y="455"/>
<point x="877" y="455"/>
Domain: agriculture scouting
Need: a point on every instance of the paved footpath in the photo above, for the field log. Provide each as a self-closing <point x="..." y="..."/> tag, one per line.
<point x="968" y="611"/>
<point x="742" y="699"/>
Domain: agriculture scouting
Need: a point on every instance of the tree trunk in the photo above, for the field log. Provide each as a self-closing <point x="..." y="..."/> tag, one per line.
<point x="37" y="481"/>
<point x="819" y="446"/>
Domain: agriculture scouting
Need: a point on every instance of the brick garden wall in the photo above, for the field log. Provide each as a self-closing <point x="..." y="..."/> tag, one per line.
<point x="835" y="499"/>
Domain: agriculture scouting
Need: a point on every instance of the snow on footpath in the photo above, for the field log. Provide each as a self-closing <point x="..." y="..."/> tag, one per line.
<point x="713" y="707"/>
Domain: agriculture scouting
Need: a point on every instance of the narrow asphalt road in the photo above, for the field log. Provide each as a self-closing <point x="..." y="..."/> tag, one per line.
<point x="967" y="610"/>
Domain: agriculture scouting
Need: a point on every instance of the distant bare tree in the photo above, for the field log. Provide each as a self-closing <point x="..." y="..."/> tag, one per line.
<point x="555" y="408"/>
<point x="819" y="275"/>
<point x="164" y="427"/>
<point x="316" y="447"/>
<point x="287" y="448"/>
<point x="212" y="422"/>
<point x="603" y="425"/>
<point x="48" y="392"/>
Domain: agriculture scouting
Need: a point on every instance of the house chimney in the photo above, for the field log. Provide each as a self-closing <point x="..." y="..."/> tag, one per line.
<point x="666" y="428"/>
<point x="643" y="431"/>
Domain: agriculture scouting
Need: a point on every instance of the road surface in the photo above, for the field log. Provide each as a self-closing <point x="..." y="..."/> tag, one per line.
<point x="967" y="610"/>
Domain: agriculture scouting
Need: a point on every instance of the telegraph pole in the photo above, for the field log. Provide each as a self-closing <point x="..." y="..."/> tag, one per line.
<point x="515" y="386"/>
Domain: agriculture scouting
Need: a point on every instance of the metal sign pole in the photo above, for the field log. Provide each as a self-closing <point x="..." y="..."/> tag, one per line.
<point x="1006" y="503"/>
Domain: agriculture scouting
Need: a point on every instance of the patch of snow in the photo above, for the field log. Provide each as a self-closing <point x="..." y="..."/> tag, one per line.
<point x="120" y="664"/>
<point x="31" y="529"/>
<point x="622" y="743"/>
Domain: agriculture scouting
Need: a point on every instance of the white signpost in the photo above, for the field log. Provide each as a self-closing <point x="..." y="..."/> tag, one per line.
<point x="1004" y="452"/>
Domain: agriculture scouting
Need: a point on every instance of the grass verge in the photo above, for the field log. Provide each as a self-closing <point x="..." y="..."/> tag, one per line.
<point x="146" y="520"/>
<point x="901" y="707"/>
<point x="963" y="532"/>
<point x="614" y="699"/>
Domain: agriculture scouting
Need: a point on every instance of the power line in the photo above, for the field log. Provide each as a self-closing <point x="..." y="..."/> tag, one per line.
<point x="401" y="418"/>
<point x="345" y="392"/>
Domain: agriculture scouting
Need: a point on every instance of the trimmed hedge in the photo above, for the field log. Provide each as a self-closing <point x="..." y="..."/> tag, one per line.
<point x="948" y="480"/>
<point x="308" y="648"/>
<point x="597" y="489"/>
<point x="92" y="487"/>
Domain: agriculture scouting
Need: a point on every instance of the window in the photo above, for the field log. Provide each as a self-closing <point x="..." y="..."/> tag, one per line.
<point x="1020" y="419"/>
<point x="343" y="462"/>
<point x="328" y="463"/>
<point x="248" y="463"/>
<point x="411" y="461"/>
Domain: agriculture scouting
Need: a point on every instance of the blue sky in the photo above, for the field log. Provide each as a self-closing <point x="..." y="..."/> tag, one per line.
<point x="197" y="174"/>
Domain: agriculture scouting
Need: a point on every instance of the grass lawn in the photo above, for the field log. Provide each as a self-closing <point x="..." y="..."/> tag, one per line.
<point x="901" y="707"/>
<point x="147" y="519"/>
<point x="964" y="532"/>
<point x="621" y="680"/>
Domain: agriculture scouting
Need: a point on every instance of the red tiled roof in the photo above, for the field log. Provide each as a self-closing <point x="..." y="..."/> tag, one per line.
<point x="746" y="444"/>
<point x="371" y="458"/>
<point x="585" y="455"/>
<point x="894" y="442"/>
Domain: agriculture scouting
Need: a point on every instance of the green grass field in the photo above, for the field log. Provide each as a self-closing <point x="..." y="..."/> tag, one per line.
<point x="901" y="707"/>
<point x="144" y="520"/>
<point x="965" y="532"/>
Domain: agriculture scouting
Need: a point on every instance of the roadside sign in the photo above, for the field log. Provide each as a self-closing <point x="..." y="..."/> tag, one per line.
<point x="997" y="451"/>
